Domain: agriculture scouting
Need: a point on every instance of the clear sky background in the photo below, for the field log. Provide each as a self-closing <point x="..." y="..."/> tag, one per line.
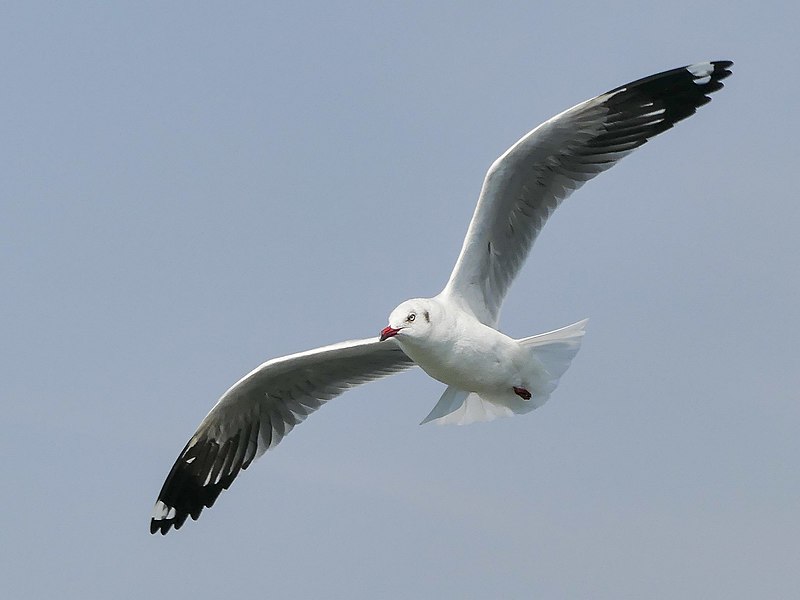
<point x="189" y="189"/>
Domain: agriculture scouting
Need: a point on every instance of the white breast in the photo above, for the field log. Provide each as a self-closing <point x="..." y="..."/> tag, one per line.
<point x="468" y="354"/>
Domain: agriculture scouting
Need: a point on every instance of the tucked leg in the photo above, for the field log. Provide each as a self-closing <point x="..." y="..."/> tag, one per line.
<point x="522" y="393"/>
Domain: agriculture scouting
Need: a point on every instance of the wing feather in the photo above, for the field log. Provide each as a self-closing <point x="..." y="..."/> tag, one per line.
<point x="527" y="183"/>
<point x="257" y="412"/>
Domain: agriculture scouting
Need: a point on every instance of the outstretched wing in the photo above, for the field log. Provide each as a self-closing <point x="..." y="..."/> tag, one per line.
<point x="526" y="184"/>
<point x="257" y="412"/>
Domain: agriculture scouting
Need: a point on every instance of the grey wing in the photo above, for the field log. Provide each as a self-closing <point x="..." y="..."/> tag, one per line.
<point x="257" y="412"/>
<point x="527" y="183"/>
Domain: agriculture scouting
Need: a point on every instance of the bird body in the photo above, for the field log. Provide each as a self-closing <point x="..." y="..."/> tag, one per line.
<point x="453" y="337"/>
<point x="494" y="374"/>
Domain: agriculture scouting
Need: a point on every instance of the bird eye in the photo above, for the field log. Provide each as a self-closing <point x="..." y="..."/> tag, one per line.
<point x="411" y="317"/>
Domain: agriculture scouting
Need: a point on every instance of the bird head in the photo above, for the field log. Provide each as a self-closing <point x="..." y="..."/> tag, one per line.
<point x="411" y="319"/>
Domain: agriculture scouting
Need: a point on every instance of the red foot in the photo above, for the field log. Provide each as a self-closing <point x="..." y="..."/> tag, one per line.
<point x="522" y="393"/>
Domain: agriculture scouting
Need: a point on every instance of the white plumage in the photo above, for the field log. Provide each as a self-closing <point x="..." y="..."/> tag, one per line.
<point x="452" y="336"/>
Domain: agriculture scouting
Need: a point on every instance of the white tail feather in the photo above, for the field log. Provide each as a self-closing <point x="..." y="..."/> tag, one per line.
<point x="556" y="349"/>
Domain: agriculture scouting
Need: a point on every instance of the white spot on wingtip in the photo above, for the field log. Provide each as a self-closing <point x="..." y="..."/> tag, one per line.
<point x="190" y="460"/>
<point x="161" y="511"/>
<point x="702" y="72"/>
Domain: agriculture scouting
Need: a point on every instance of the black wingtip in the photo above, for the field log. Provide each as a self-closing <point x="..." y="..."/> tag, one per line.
<point x="646" y="107"/>
<point x="203" y="469"/>
<point x="723" y="65"/>
<point x="693" y="81"/>
<point x="720" y="69"/>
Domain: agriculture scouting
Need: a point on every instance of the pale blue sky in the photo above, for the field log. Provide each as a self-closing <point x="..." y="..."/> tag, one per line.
<point x="189" y="189"/>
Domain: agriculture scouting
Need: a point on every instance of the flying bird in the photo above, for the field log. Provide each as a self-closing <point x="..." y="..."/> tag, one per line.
<point x="453" y="336"/>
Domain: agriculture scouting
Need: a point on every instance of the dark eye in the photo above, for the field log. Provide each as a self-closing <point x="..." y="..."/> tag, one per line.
<point x="411" y="317"/>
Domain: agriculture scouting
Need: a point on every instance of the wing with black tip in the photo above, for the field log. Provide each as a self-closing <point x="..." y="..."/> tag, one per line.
<point x="527" y="183"/>
<point x="257" y="412"/>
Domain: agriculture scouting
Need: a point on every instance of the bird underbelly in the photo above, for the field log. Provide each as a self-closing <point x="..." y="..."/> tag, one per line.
<point x="469" y="368"/>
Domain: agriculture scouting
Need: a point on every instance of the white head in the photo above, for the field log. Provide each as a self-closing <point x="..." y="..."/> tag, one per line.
<point x="413" y="319"/>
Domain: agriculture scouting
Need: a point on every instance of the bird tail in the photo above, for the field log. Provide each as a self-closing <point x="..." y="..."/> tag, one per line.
<point x="555" y="351"/>
<point x="552" y="353"/>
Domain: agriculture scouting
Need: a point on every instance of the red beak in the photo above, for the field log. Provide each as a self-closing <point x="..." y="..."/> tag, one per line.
<point x="388" y="332"/>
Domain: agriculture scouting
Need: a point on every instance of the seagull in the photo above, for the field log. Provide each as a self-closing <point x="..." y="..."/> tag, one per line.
<point x="453" y="336"/>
